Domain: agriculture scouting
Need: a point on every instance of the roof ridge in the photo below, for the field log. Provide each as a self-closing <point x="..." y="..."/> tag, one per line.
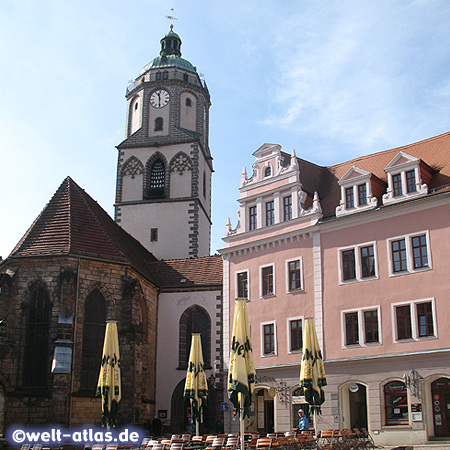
<point x="85" y="197"/>
<point x="398" y="149"/>
<point x="190" y="258"/>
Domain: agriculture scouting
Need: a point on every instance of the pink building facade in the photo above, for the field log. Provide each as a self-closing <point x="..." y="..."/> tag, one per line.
<point x="361" y="247"/>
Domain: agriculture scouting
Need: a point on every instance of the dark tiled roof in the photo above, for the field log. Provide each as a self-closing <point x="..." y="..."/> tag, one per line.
<point x="205" y="271"/>
<point x="434" y="152"/>
<point x="74" y="224"/>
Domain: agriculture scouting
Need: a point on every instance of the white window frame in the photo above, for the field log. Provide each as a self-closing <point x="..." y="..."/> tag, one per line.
<point x="261" y="281"/>
<point x="361" y="328"/>
<point x="275" y="352"/>
<point x="288" y="332"/>
<point x="286" y="265"/>
<point x="236" y="283"/>
<point x="358" y="269"/>
<point x="409" y="255"/>
<point x="352" y="179"/>
<point x="414" y="325"/>
<point x="395" y="168"/>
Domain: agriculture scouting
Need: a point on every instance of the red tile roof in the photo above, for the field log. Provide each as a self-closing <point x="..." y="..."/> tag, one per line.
<point x="435" y="152"/>
<point x="204" y="271"/>
<point x="74" y="224"/>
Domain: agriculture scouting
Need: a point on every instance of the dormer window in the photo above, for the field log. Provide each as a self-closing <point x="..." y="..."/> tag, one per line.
<point x="404" y="177"/>
<point x="411" y="181"/>
<point x="356" y="192"/>
<point x="349" y="198"/>
<point x="397" y="184"/>
<point x="362" y="194"/>
<point x="267" y="171"/>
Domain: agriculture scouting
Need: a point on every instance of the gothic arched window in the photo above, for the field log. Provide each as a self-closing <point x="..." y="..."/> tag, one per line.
<point x="194" y="320"/>
<point x="93" y="336"/>
<point x="157" y="179"/>
<point x="36" y="361"/>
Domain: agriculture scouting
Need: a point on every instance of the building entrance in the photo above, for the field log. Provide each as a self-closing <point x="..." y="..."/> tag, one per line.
<point x="440" y="394"/>
<point x="265" y="413"/>
<point x="358" y="406"/>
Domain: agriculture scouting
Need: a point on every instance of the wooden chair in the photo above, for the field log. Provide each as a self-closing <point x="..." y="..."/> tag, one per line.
<point x="186" y="437"/>
<point x="177" y="445"/>
<point x="264" y="442"/>
<point x="232" y="442"/>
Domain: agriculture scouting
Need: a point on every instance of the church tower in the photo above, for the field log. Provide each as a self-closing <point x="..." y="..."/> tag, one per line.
<point x="163" y="192"/>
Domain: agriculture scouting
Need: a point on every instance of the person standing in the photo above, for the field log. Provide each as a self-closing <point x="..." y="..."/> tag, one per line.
<point x="303" y="422"/>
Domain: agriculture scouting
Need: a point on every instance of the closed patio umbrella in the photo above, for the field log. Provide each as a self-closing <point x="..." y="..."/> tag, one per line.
<point x="196" y="386"/>
<point x="109" y="385"/>
<point x="241" y="373"/>
<point x="312" y="373"/>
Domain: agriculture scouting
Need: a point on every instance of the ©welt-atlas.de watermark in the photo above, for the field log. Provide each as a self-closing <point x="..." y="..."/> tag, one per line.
<point x="19" y="434"/>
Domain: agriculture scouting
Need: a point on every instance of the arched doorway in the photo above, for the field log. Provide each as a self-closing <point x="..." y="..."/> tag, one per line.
<point x="180" y="410"/>
<point x="440" y="394"/>
<point x="265" y="411"/>
<point x="354" y="405"/>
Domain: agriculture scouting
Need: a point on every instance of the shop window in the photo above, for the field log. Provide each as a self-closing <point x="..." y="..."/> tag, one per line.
<point x="396" y="404"/>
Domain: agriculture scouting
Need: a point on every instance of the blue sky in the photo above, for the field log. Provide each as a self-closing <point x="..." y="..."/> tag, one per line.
<point x="333" y="79"/>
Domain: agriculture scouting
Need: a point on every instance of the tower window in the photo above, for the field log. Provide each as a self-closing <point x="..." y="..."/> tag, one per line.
<point x="165" y="75"/>
<point x="157" y="180"/>
<point x="153" y="234"/>
<point x="185" y="77"/>
<point x="188" y="102"/>
<point x="136" y="106"/>
<point x="159" y="124"/>
<point x="158" y="75"/>
<point x="267" y="171"/>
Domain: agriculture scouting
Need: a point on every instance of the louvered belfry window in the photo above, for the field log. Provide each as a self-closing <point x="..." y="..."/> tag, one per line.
<point x="156" y="186"/>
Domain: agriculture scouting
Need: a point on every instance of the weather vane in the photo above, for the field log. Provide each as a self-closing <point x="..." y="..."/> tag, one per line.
<point x="171" y="18"/>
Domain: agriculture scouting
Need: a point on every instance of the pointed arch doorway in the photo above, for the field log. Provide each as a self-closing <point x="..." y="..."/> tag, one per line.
<point x="181" y="409"/>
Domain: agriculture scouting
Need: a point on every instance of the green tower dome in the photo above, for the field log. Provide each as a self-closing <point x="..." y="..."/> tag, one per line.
<point x="170" y="55"/>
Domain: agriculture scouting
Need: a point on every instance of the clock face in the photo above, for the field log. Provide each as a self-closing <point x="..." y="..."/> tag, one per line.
<point x="159" y="98"/>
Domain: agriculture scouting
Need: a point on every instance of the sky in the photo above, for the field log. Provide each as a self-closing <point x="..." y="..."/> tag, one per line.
<point x="331" y="79"/>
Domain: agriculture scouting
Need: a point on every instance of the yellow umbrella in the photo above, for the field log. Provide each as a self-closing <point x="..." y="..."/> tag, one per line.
<point x="196" y="387"/>
<point x="312" y="373"/>
<point x="109" y="386"/>
<point x="241" y="373"/>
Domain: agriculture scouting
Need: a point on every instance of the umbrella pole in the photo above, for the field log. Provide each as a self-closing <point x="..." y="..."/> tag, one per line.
<point x="197" y="427"/>
<point x="241" y="420"/>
